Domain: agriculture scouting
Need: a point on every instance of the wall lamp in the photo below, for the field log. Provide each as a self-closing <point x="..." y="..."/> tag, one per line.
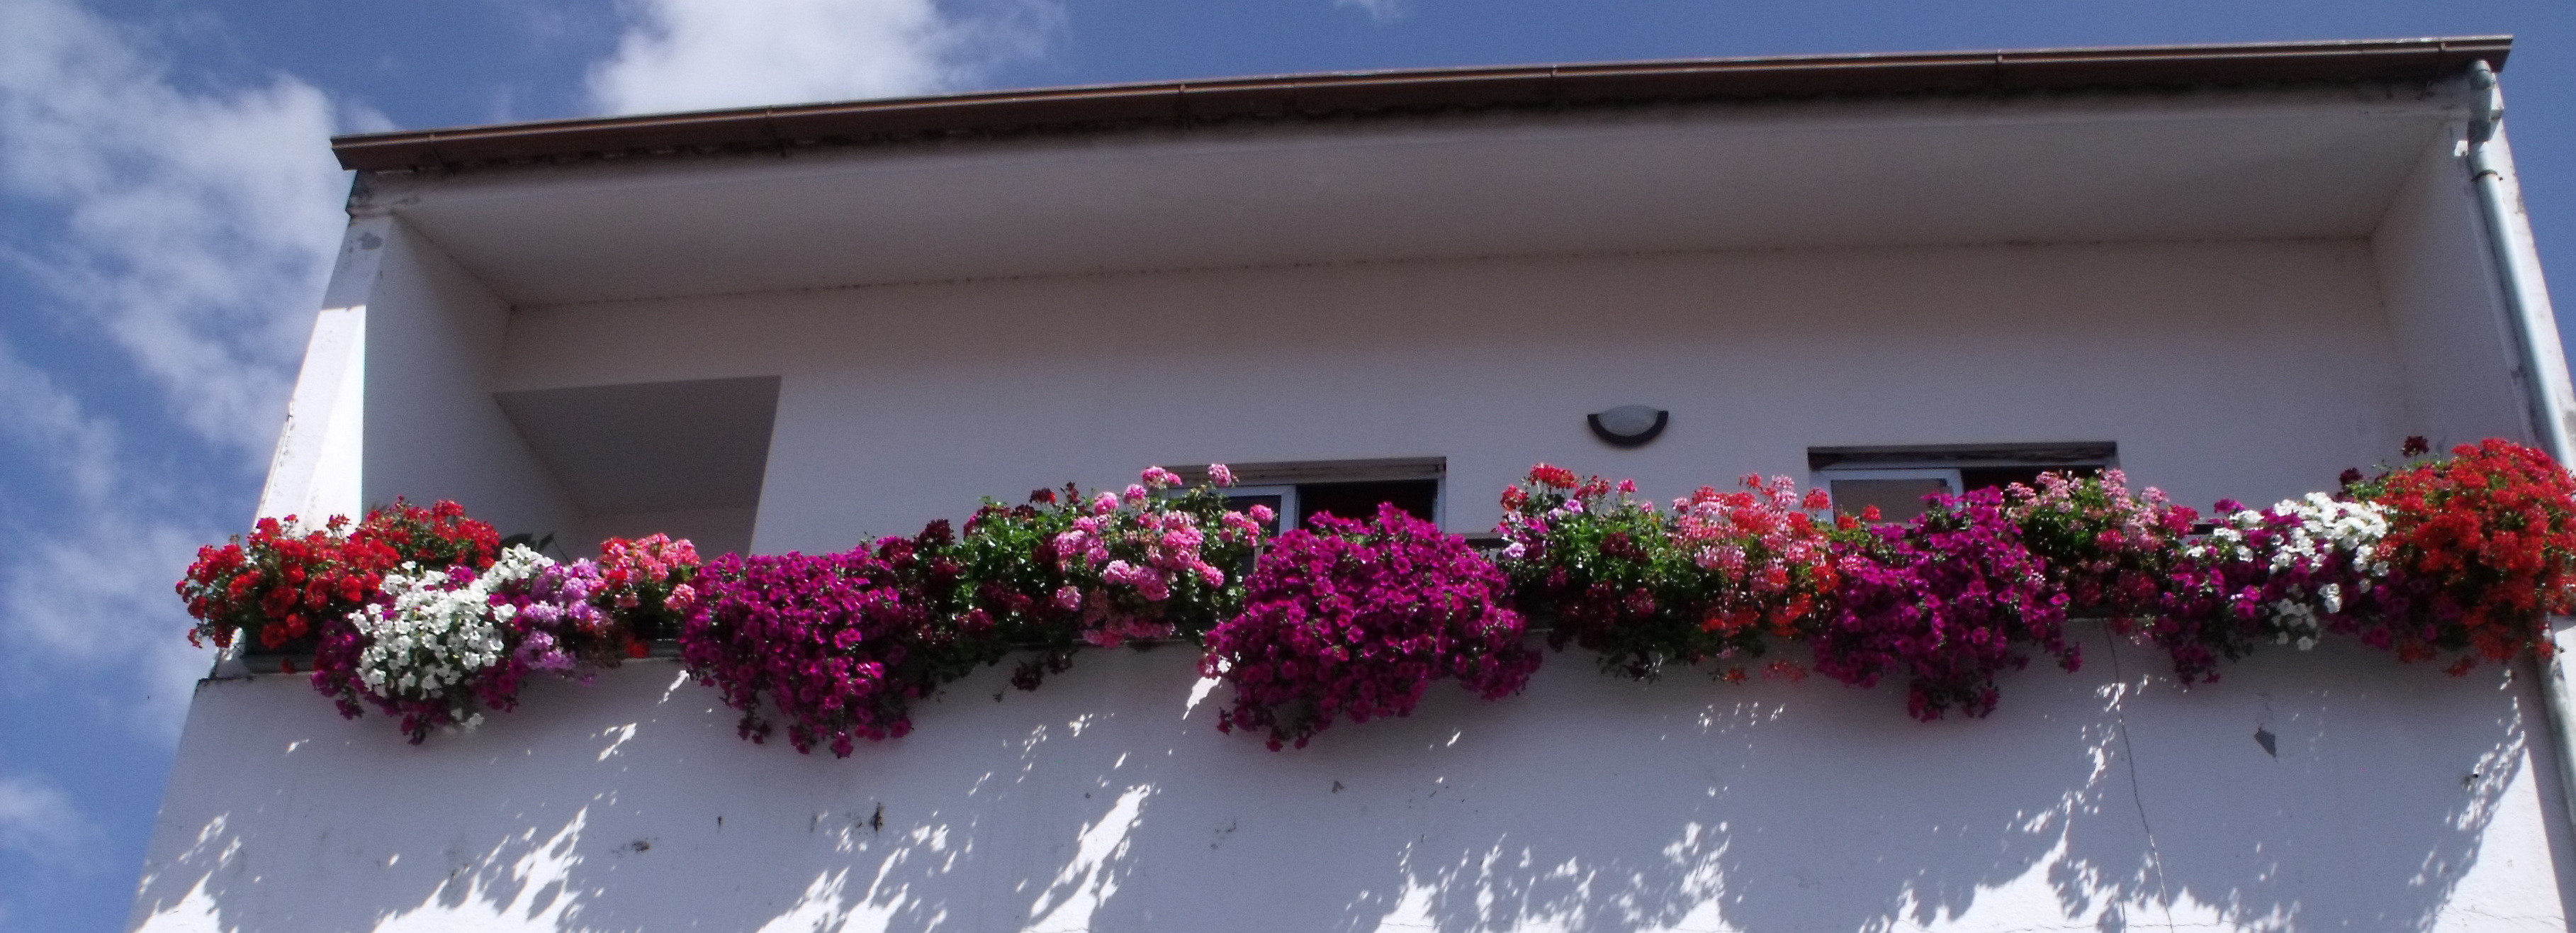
<point x="1628" y="425"/>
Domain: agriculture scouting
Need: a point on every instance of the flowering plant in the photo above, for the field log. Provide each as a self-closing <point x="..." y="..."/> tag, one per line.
<point x="560" y="621"/>
<point x="437" y="536"/>
<point x="1719" y="577"/>
<point x="444" y="644"/>
<point x="826" y="641"/>
<point x="2110" y="548"/>
<point x="1356" y="619"/>
<point x="288" y="581"/>
<point x="2123" y="554"/>
<point x="1152" y="561"/>
<point x="953" y="639"/>
<point x="1951" y="599"/>
<point x="420" y="654"/>
<point x="282" y="583"/>
<point x="2284" y="575"/>
<point x="2484" y="542"/>
<point x="646" y="583"/>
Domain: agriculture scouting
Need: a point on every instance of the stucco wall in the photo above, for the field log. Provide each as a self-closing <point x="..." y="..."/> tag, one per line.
<point x="2438" y="276"/>
<point x="2393" y="798"/>
<point x="433" y="338"/>
<point x="2247" y="369"/>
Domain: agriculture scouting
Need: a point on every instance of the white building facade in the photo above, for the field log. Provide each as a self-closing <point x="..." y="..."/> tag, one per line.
<point x="2229" y="271"/>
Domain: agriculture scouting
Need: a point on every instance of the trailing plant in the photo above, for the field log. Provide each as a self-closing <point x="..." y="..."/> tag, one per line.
<point x="2463" y="557"/>
<point x="1356" y="619"/>
<point x="1949" y="600"/>
<point x="444" y="645"/>
<point x="2132" y="558"/>
<point x="825" y="642"/>
<point x="1721" y="577"/>
<point x="2283" y="575"/>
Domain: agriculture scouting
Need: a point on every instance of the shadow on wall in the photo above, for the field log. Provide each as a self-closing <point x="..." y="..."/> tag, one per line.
<point x="2391" y="798"/>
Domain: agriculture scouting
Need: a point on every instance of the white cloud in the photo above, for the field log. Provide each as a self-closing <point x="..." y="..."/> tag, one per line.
<point x="700" y="54"/>
<point x="194" y="229"/>
<point x="1384" y="11"/>
<point x="188" y="231"/>
<point x="38" y="820"/>
<point x="93" y="595"/>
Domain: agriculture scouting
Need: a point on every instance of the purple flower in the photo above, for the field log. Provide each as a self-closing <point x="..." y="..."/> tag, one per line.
<point x="824" y="640"/>
<point x="1357" y="620"/>
<point x="1951" y="600"/>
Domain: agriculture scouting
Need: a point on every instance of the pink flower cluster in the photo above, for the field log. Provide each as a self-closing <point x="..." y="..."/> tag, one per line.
<point x="648" y="580"/>
<point x="2107" y="546"/>
<point x="1143" y="563"/>
<point x="1356" y="620"/>
<point x="1159" y="548"/>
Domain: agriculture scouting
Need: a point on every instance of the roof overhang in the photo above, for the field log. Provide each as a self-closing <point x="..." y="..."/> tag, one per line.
<point x="2203" y="143"/>
<point x="1315" y="96"/>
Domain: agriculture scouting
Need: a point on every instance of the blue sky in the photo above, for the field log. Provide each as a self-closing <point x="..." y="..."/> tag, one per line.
<point x="168" y="206"/>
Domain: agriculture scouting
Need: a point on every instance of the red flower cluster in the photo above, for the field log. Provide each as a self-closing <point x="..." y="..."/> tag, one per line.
<point x="1357" y="621"/>
<point x="2485" y="548"/>
<point x="278" y="585"/>
<point x="438" y="536"/>
<point x="285" y="584"/>
<point x="646" y="581"/>
<point x="1719" y="578"/>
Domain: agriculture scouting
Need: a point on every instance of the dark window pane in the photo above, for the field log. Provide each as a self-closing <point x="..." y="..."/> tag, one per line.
<point x="1244" y="503"/>
<point x="1898" y="500"/>
<point x="2000" y="476"/>
<point x="1359" y="501"/>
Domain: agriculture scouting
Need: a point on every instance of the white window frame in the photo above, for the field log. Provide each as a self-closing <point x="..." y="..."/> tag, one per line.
<point x="1287" y="501"/>
<point x="1283" y="478"/>
<point x="1824" y="478"/>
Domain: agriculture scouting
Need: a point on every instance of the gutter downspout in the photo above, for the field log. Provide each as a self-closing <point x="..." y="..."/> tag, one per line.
<point x="2550" y="400"/>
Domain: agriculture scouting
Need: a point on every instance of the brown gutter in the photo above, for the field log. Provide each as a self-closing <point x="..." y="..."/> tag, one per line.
<point x="1353" y="93"/>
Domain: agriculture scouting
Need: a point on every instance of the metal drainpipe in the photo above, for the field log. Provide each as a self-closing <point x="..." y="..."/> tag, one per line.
<point x="2518" y="276"/>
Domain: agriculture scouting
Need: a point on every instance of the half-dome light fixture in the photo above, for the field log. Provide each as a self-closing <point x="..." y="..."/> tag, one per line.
<point x="1628" y="425"/>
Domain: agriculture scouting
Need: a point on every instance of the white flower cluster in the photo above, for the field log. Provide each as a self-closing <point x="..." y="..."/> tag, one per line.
<point x="2328" y="530"/>
<point x="437" y="637"/>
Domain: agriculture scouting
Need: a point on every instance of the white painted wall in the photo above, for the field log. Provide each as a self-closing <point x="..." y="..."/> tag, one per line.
<point x="2400" y="799"/>
<point x="433" y="431"/>
<point x="2255" y="370"/>
<point x="2444" y="307"/>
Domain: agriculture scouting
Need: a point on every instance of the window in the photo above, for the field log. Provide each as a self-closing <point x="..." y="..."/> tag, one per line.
<point x="1300" y="490"/>
<point x="1896" y="479"/>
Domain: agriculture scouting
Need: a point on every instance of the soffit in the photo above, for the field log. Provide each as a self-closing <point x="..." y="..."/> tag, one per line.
<point x="2195" y="166"/>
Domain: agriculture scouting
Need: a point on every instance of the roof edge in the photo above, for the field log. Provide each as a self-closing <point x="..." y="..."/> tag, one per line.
<point x="1346" y="93"/>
